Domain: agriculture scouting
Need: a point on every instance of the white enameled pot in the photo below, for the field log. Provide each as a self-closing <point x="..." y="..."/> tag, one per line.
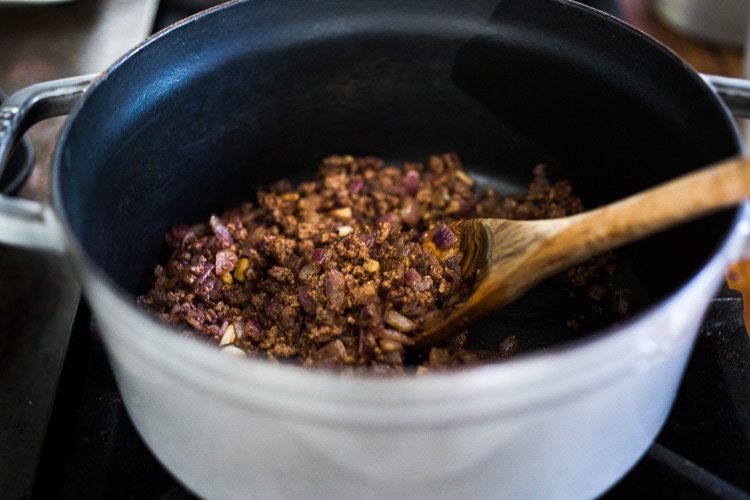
<point x="566" y="422"/>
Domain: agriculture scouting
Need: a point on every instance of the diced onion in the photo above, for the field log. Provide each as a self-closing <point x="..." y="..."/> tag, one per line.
<point x="444" y="237"/>
<point x="220" y="230"/>
<point x="318" y="256"/>
<point x="399" y="321"/>
<point x="411" y="182"/>
<point x="305" y="300"/>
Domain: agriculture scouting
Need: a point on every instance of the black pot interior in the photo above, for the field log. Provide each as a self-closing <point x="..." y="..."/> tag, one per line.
<point x="202" y="115"/>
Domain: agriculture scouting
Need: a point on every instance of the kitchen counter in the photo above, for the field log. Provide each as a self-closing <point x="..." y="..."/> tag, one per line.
<point x="38" y="293"/>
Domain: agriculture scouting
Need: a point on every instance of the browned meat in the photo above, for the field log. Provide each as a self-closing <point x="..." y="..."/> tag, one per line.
<point x="334" y="272"/>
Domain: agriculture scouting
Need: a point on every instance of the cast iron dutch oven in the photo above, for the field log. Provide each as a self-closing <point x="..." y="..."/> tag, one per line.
<point x="201" y="114"/>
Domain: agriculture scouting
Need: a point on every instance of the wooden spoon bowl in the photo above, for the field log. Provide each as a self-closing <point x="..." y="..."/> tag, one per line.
<point x="510" y="257"/>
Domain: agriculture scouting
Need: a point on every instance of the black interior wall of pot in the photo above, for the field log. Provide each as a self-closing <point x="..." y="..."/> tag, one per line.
<point x="202" y="115"/>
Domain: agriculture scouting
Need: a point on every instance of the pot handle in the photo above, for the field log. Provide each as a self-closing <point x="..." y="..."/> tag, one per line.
<point x="24" y="222"/>
<point x="735" y="92"/>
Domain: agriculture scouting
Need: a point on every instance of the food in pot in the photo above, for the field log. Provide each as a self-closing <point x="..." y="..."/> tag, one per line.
<point x="342" y="271"/>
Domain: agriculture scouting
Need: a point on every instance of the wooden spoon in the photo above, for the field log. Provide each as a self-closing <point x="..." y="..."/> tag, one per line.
<point x="510" y="257"/>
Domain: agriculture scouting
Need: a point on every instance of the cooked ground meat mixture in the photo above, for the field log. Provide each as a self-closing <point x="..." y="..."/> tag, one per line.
<point x="337" y="272"/>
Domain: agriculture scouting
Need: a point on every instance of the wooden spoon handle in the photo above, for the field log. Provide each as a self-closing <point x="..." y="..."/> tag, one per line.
<point x="685" y="198"/>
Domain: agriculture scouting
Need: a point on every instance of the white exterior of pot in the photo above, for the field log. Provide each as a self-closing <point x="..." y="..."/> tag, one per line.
<point x="567" y="423"/>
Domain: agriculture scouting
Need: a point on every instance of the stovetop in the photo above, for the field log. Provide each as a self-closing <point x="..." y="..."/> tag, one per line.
<point x="91" y="449"/>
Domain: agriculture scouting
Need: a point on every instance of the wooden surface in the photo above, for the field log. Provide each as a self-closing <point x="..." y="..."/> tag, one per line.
<point x="703" y="56"/>
<point x="48" y="41"/>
